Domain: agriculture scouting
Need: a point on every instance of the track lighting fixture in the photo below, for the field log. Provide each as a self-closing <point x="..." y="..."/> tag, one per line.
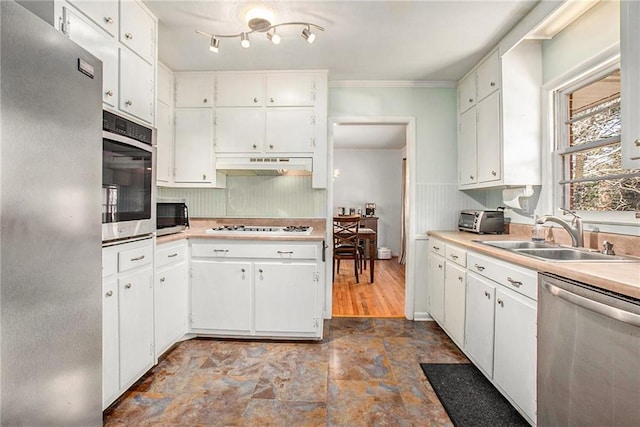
<point x="259" y="20"/>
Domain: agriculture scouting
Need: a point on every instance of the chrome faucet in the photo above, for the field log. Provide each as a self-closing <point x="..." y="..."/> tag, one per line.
<point x="574" y="229"/>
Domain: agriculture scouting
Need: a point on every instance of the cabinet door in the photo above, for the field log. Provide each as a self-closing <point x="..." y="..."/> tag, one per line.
<point x="467" y="167"/>
<point x="239" y="130"/>
<point x="138" y="30"/>
<point x="489" y="139"/>
<point x="241" y="90"/>
<point x="136" y="86"/>
<point x="165" y="85"/>
<point x="478" y="340"/>
<point x="290" y="90"/>
<point x="488" y="75"/>
<point x="104" y="13"/>
<point x="171" y="305"/>
<point x="164" y="141"/>
<point x="515" y="349"/>
<point x="221" y="295"/>
<point x="630" y="84"/>
<point x="286" y="298"/>
<point x="290" y="131"/>
<point x="435" y="277"/>
<point x="467" y="93"/>
<point x="110" y="361"/>
<point x="101" y="46"/>
<point x="455" y="292"/>
<point x="135" y="295"/>
<point x="193" y="146"/>
<point x="194" y="91"/>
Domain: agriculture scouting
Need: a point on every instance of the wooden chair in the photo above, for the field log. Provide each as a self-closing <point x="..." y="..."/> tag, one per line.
<point x="345" y="241"/>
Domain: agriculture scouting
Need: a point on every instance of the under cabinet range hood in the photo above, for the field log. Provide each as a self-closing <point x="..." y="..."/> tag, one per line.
<point x="264" y="165"/>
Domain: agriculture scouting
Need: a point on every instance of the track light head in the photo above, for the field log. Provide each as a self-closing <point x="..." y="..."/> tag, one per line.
<point x="308" y="35"/>
<point x="215" y="45"/>
<point x="274" y="37"/>
<point x="244" y="40"/>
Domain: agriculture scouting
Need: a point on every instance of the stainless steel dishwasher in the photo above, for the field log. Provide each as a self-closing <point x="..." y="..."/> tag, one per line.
<point x="588" y="355"/>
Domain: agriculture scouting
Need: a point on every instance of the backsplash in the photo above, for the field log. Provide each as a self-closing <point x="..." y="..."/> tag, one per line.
<point x="254" y="196"/>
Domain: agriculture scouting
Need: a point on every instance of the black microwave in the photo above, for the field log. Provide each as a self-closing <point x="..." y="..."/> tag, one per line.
<point x="172" y="216"/>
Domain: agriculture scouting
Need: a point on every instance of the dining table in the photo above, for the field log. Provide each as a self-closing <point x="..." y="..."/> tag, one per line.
<point x="369" y="236"/>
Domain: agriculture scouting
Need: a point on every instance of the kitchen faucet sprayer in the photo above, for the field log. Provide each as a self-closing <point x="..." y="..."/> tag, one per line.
<point x="574" y="229"/>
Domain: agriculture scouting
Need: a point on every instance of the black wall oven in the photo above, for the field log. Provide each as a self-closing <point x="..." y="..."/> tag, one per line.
<point x="128" y="178"/>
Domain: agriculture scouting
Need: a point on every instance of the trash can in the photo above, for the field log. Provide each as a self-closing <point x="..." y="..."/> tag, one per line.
<point x="384" y="253"/>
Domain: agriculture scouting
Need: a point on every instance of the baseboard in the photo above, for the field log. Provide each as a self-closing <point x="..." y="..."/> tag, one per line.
<point x="421" y="316"/>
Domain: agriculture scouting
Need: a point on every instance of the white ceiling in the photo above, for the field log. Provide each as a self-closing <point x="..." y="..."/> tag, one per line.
<point x="363" y="40"/>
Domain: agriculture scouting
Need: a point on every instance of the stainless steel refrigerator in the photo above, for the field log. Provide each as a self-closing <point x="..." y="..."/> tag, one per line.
<point x="50" y="225"/>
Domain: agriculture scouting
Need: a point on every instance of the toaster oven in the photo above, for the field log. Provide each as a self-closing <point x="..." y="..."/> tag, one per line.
<point x="172" y="216"/>
<point x="481" y="222"/>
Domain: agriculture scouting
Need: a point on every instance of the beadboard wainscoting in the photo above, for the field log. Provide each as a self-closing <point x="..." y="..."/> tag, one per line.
<point x="254" y="196"/>
<point x="438" y="205"/>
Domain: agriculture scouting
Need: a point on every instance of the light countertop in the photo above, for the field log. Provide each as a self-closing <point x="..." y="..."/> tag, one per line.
<point x="620" y="277"/>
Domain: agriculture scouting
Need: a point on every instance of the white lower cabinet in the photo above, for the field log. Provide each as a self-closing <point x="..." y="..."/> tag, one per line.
<point x="127" y="315"/>
<point x="256" y="289"/>
<point x="480" y="322"/>
<point x="171" y="291"/>
<point x="455" y="290"/>
<point x="435" y="279"/>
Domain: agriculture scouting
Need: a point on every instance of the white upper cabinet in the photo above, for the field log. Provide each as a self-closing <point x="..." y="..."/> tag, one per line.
<point x="503" y="146"/>
<point x="164" y="142"/>
<point x="488" y="76"/>
<point x="290" y="131"/>
<point x="630" y="100"/>
<point x="194" y="90"/>
<point x="239" y="90"/>
<point x="138" y="30"/>
<point x="194" y="159"/>
<point x="467" y="93"/>
<point x="165" y="85"/>
<point x="291" y="90"/>
<point x="239" y="130"/>
<point x="87" y="35"/>
<point x="104" y="13"/>
<point x="136" y="86"/>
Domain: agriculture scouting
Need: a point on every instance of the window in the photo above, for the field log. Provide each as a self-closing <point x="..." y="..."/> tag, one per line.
<point x="588" y="149"/>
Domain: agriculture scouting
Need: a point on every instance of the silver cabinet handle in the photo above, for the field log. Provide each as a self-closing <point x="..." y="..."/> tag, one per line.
<point x="128" y="103"/>
<point x="128" y="36"/>
<point x="172" y="255"/>
<point x="515" y="283"/>
<point x="460" y="278"/>
<point x="499" y="301"/>
<point x="479" y="267"/>
<point x="109" y="92"/>
<point x="440" y="266"/>
<point x="108" y="20"/>
<point x="138" y="258"/>
<point x="204" y="177"/>
<point x="285" y="252"/>
<point x="637" y="142"/>
<point x="435" y="248"/>
<point x="260" y="271"/>
<point x="494" y="173"/>
<point x="452" y="256"/>
<point x="127" y="286"/>
<point x="255" y="100"/>
<point x="109" y="294"/>
<point x="221" y="250"/>
<point x="492" y="84"/>
<point x="271" y="100"/>
<point x="254" y="146"/>
<point x="470" y="99"/>
<point x="242" y="270"/>
<point x="271" y="146"/>
<point x="162" y="279"/>
<point x="470" y="176"/>
<point x="487" y="294"/>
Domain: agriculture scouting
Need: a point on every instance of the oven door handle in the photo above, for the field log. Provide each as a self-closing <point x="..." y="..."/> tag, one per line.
<point x="595" y="306"/>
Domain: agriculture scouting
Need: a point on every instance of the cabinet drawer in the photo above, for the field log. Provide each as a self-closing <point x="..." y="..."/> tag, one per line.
<point x="166" y="254"/>
<point x="109" y="262"/>
<point x="133" y="258"/>
<point x="437" y="247"/>
<point x="273" y="251"/>
<point x="456" y="255"/>
<point x="518" y="279"/>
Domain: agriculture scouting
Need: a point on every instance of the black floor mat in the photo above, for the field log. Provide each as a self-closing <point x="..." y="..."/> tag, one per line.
<point x="469" y="398"/>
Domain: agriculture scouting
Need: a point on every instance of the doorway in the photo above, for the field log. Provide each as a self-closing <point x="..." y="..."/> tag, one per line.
<point x="366" y="165"/>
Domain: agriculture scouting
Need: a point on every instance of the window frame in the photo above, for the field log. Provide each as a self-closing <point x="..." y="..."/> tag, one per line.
<point x="611" y="221"/>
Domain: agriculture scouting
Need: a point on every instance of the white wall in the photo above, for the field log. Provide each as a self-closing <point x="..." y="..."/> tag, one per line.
<point x="372" y="176"/>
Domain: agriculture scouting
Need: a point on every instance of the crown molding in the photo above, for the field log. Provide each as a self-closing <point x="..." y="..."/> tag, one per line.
<point x="392" y="83"/>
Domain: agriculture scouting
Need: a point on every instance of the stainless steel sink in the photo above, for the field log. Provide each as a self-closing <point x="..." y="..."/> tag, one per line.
<point x="516" y="244"/>
<point x="554" y="253"/>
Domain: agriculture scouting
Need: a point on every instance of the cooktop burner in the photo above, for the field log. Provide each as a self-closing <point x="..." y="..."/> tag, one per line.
<point x="261" y="230"/>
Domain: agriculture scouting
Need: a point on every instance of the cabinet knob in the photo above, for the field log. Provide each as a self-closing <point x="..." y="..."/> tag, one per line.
<point x="128" y="36"/>
<point x="470" y="99"/>
<point x="255" y="100"/>
<point x="271" y="100"/>
<point x="440" y="266"/>
<point x="637" y="142"/>
<point x="109" y="294"/>
<point x="271" y="146"/>
<point x="500" y="302"/>
<point x="471" y="177"/>
<point x="128" y="103"/>
<point x="494" y="173"/>
<point x="242" y="270"/>
<point x="260" y="271"/>
<point x="254" y="146"/>
<point x="204" y="177"/>
<point x="492" y="84"/>
<point x="108" y="20"/>
<point x="109" y="92"/>
<point x="162" y="279"/>
<point x="205" y="100"/>
<point x="436" y="248"/>
<point x="460" y="278"/>
<point x="487" y="294"/>
<point x="127" y="286"/>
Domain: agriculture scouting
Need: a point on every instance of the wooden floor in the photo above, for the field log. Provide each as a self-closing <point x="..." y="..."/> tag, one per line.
<point x="383" y="298"/>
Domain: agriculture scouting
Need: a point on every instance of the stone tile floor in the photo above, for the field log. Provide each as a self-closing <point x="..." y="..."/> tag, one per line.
<point x="365" y="372"/>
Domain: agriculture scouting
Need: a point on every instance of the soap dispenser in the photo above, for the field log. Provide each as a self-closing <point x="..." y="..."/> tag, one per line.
<point x="537" y="232"/>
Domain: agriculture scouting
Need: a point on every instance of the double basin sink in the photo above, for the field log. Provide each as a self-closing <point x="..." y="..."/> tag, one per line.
<point x="556" y="253"/>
